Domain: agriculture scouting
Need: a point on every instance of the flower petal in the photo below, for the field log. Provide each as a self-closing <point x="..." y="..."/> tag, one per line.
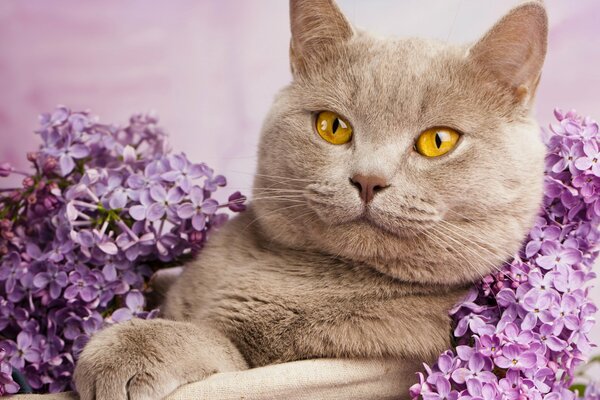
<point x="156" y="211"/>
<point x="186" y="210"/>
<point x="138" y="212"/>
<point x="79" y="151"/>
<point x="66" y="164"/>
<point x="198" y="222"/>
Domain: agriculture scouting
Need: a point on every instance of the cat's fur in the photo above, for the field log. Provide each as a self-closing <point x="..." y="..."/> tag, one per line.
<point x="309" y="270"/>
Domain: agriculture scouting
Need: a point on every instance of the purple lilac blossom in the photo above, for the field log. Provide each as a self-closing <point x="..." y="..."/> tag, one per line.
<point x="80" y="240"/>
<point x="523" y="331"/>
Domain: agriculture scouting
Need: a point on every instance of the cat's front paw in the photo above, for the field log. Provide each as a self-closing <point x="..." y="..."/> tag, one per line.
<point x="129" y="361"/>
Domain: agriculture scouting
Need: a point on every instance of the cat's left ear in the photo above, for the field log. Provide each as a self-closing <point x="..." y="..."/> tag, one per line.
<point x="515" y="48"/>
<point x="318" y="29"/>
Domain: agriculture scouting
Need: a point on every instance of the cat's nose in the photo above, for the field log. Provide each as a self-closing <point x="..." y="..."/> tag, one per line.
<point x="368" y="186"/>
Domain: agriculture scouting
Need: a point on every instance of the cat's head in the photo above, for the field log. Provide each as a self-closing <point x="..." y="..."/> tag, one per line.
<point x="415" y="157"/>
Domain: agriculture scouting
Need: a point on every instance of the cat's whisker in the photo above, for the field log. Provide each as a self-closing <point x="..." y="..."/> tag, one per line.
<point x="451" y="225"/>
<point x="296" y="196"/>
<point x="278" y="196"/>
<point x="481" y="276"/>
<point x="466" y="232"/>
<point x="283" y="178"/>
<point x="249" y="192"/>
<point x="273" y="200"/>
<point x="272" y="212"/>
<point x="448" y="235"/>
<point x="485" y="262"/>
<point x="454" y="253"/>
<point x="280" y="190"/>
<point x="474" y="267"/>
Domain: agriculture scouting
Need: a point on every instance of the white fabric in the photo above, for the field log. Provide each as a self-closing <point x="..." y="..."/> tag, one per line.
<point x="321" y="379"/>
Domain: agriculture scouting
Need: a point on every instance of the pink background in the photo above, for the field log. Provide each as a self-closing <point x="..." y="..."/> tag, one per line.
<point x="211" y="68"/>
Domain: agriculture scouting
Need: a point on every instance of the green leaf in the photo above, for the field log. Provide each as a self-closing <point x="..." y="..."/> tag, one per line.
<point x="595" y="359"/>
<point x="579" y="388"/>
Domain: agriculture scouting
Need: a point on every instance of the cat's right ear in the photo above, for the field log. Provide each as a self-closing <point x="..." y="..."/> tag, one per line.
<point x="318" y="29"/>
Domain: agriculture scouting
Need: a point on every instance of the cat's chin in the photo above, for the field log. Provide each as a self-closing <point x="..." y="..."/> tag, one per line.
<point x="400" y="228"/>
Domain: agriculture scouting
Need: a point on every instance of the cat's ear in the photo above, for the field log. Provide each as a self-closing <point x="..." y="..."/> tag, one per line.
<point x="318" y="29"/>
<point x="515" y="48"/>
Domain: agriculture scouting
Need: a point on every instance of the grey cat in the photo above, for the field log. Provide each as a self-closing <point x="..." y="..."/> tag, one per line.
<point x="391" y="175"/>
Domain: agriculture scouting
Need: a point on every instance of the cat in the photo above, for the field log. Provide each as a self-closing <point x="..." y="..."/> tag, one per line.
<point x="391" y="175"/>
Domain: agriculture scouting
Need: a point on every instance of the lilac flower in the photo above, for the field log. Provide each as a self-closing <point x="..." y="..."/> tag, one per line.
<point x="555" y="255"/>
<point x="11" y="271"/>
<point x="70" y="250"/>
<point x="212" y="182"/>
<point x="74" y="252"/>
<point x="134" y="241"/>
<point x="512" y="357"/>
<point x="480" y="390"/>
<point x="488" y="346"/>
<point x="67" y="155"/>
<point x="444" y="391"/>
<point x="447" y="365"/>
<point x="567" y="280"/>
<point x="53" y="278"/>
<point x="135" y="305"/>
<point x="510" y="298"/>
<point x="568" y="156"/>
<point x="513" y="334"/>
<point x="5" y="169"/>
<point x="474" y="370"/>
<point x="82" y="284"/>
<point x="156" y="202"/>
<point x="548" y="336"/>
<point x="11" y="315"/>
<point x="539" y="282"/>
<point x="198" y="209"/>
<point x="150" y="176"/>
<point x="591" y="160"/>
<point x="560" y="314"/>
<point x="579" y="335"/>
<point x="235" y="202"/>
<point x="540" y="378"/>
<point x="587" y="184"/>
<point x="7" y="385"/>
<point x="535" y="303"/>
<point x="183" y="172"/>
<point x="539" y="235"/>
<point x="419" y="388"/>
<point x="25" y="349"/>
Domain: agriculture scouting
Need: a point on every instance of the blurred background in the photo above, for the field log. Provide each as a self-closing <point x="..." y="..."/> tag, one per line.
<point x="210" y="68"/>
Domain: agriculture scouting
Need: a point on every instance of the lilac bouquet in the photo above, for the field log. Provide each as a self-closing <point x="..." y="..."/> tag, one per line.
<point x="521" y="333"/>
<point x="102" y="209"/>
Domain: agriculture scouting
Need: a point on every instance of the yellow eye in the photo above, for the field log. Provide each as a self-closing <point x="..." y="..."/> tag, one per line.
<point x="333" y="128"/>
<point x="436" y="141"/>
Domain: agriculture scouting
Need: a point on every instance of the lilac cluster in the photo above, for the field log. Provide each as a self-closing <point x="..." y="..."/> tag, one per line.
<point x="104" y="207"/>
<point x="521" y="333"/>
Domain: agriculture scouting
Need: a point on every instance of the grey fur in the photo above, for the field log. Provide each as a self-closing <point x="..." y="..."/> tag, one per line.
<point x="306" y="272"/>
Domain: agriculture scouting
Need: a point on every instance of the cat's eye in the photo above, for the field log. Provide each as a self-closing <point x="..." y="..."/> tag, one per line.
<point x="436" y="142"/>
<point x="333" y="128"/>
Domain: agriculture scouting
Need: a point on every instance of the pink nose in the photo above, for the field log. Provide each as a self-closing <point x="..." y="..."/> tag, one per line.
<point x="368" y="186"/>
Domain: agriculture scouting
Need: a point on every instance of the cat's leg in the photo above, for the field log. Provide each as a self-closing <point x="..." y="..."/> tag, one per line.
<point x="148" y="359"/>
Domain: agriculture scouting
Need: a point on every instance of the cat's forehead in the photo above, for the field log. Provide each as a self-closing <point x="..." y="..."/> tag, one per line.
<point x="401" y="56"/>
<point x="406" y="82"/>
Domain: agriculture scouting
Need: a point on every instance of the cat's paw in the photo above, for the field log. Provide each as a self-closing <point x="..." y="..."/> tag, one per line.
<point x="128" y="361"/>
